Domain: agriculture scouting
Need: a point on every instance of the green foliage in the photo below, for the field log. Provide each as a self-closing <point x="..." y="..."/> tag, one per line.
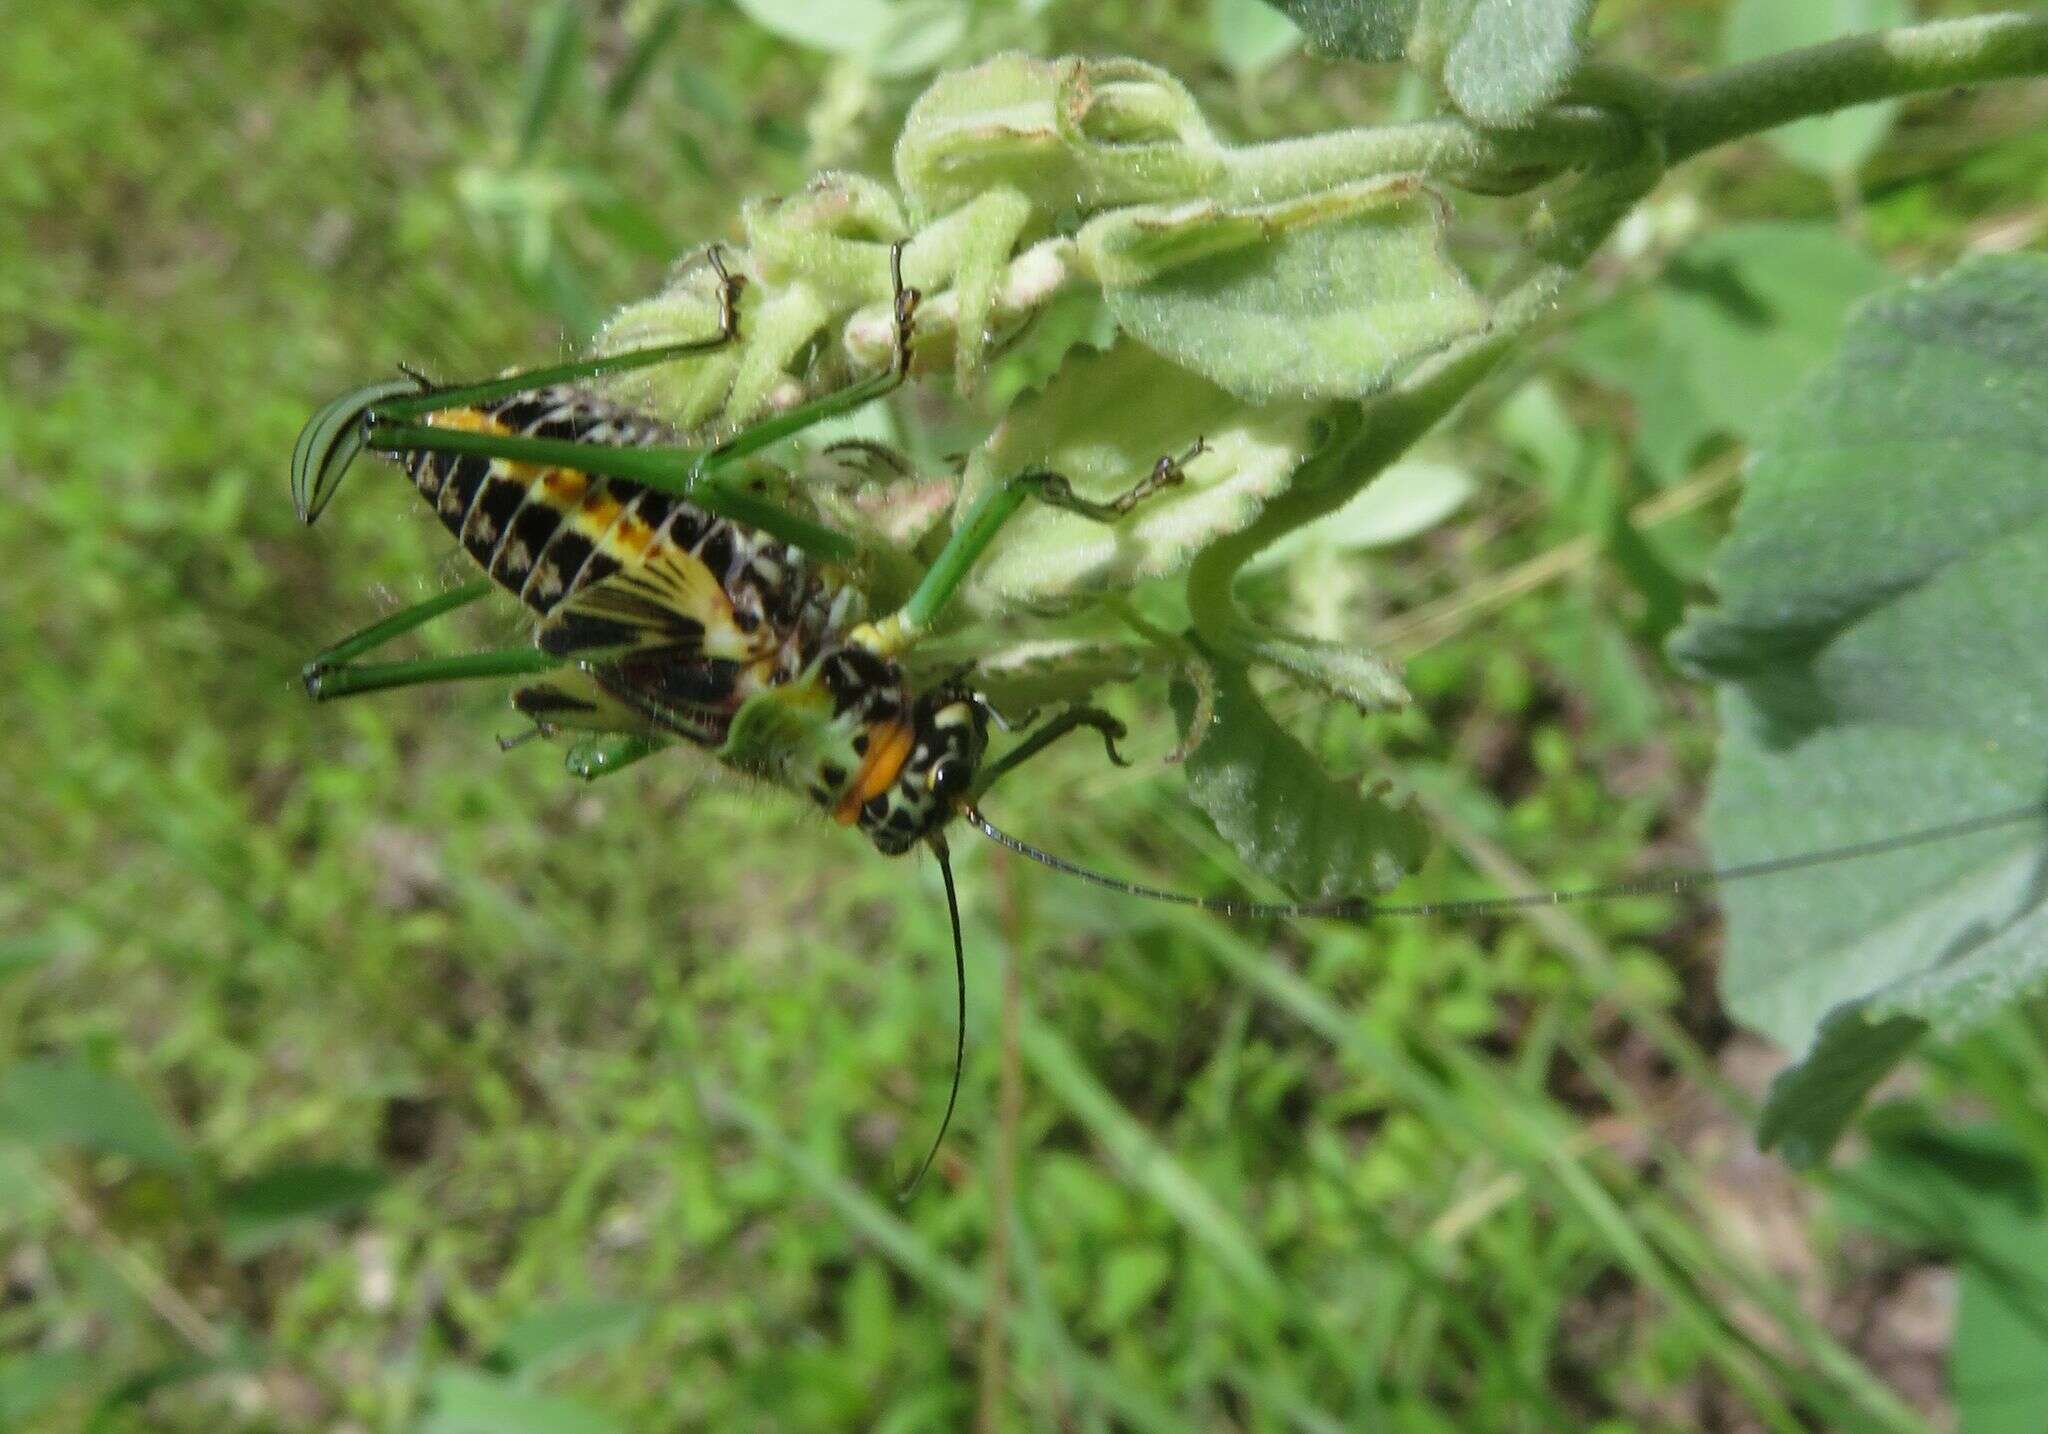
<point x="268" y="1207"/>
<point x="1103" y="420"/>
<point x="1971" y="1196"/>
<point x="1269" y="798"/>
<point x="1881" y="675"/>
<point x="571" y="1107"/>
<point x="1737" y="319"/>
<point x="69" y="1103"/>
<point x="1326" y="297"/>
<point x="1500" y="61"/>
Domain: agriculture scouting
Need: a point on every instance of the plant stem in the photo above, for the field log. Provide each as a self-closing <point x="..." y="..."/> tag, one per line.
<point x="1729" y="104"/>
<point x="1510" y="160"/>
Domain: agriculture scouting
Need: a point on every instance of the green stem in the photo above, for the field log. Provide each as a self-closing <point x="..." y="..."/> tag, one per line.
<point x="1677" y="122"/>
<point x="1566" y="136"/>
<point x="1747" y="99"/>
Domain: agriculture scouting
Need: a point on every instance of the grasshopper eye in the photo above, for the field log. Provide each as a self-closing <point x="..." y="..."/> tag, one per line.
<point x="949" y="777"/>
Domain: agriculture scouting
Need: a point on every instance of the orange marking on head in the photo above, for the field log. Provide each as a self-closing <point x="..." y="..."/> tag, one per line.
<point x="889" y="746"/>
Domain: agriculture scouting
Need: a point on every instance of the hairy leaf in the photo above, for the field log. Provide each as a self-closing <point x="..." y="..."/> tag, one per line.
<point x="1103" y="421"/>
<point x="1499" y="60"/>
<point x="1879" y="642"/>
<point x="1327" y="296"/>
<point x="1349" y="673"/>
<point x="1272" y="801"/>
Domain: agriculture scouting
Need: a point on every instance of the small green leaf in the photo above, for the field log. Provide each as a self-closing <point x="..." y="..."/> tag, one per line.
<point x="1282" y="813"/>
<point x="1068" y="134"/>
<point x="30" y="1383"/>
<point x="1128" y="1281"/>
<point x="465" y="1401"/>
<point x="547" y="1339"/>
<point x="845" y="27"/>
<point x="1499" y="60"/>
<point x="1969" y="1194"/>
<point x="1368" y="682"/>
<point x="1510" y="58"/>
<point x="1247" y="36"/>
<point x="921" y="36"/>
<point x="26" y="953"/>
<point x="1330" y="296"/>
<point x="1998" y="1360"/>
<point x="1878" y="639"/>
<point x="551" y="61"/>
<point x="1371" y="30"/>
<point x="1103" y="421"/>
<point x="1809" y="1105"/>
<point x="1403" y="501"/>
<point x="654" y="37"/>
<point x="1835" y="144"/>
<point x="260" y="1211"/>
<point x="66" y="1102"/>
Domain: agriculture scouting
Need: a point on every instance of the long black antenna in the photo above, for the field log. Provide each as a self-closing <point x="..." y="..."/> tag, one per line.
<point x="960" y="1015"/>
<point x="1360" y="908"/>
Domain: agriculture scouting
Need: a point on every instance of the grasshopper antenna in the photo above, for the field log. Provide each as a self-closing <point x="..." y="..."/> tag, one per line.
<point x="960" y="1015"/>
<point x="1359" y="908"/>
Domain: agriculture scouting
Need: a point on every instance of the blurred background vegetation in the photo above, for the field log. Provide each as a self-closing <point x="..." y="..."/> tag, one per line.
<point x="356" y="1076"/>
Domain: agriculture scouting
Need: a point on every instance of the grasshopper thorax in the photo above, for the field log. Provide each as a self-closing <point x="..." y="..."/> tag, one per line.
<point x="913" y="756"/>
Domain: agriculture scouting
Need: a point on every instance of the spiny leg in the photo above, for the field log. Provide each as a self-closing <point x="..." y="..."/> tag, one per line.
<point x="971" y="539"/>
<point x="338" y="432"/>
<point x="683" y="472"/>
<point x="351" y="678"/>
<point x="1047" y="733"/>
<point x="665" y="469"/>
<point x="344" y="653"/>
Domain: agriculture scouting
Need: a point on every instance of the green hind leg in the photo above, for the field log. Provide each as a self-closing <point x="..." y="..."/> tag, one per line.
<point x="971" y="539"/>
<point x="384" y="427"/>
<point x="348" y="679"/>
<point x="343" y="654"/>
<point x="337" y="433"/>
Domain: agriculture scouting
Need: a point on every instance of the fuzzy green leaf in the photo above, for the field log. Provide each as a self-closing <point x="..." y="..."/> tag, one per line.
<point x="1331" y="296"/>
<point x="1499" y="60"/>
<point x="1272" y="801"/>
<point x="1103" y="421"/>
<point x="1879" y="643"/>
<point x="1350" y="674"/>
